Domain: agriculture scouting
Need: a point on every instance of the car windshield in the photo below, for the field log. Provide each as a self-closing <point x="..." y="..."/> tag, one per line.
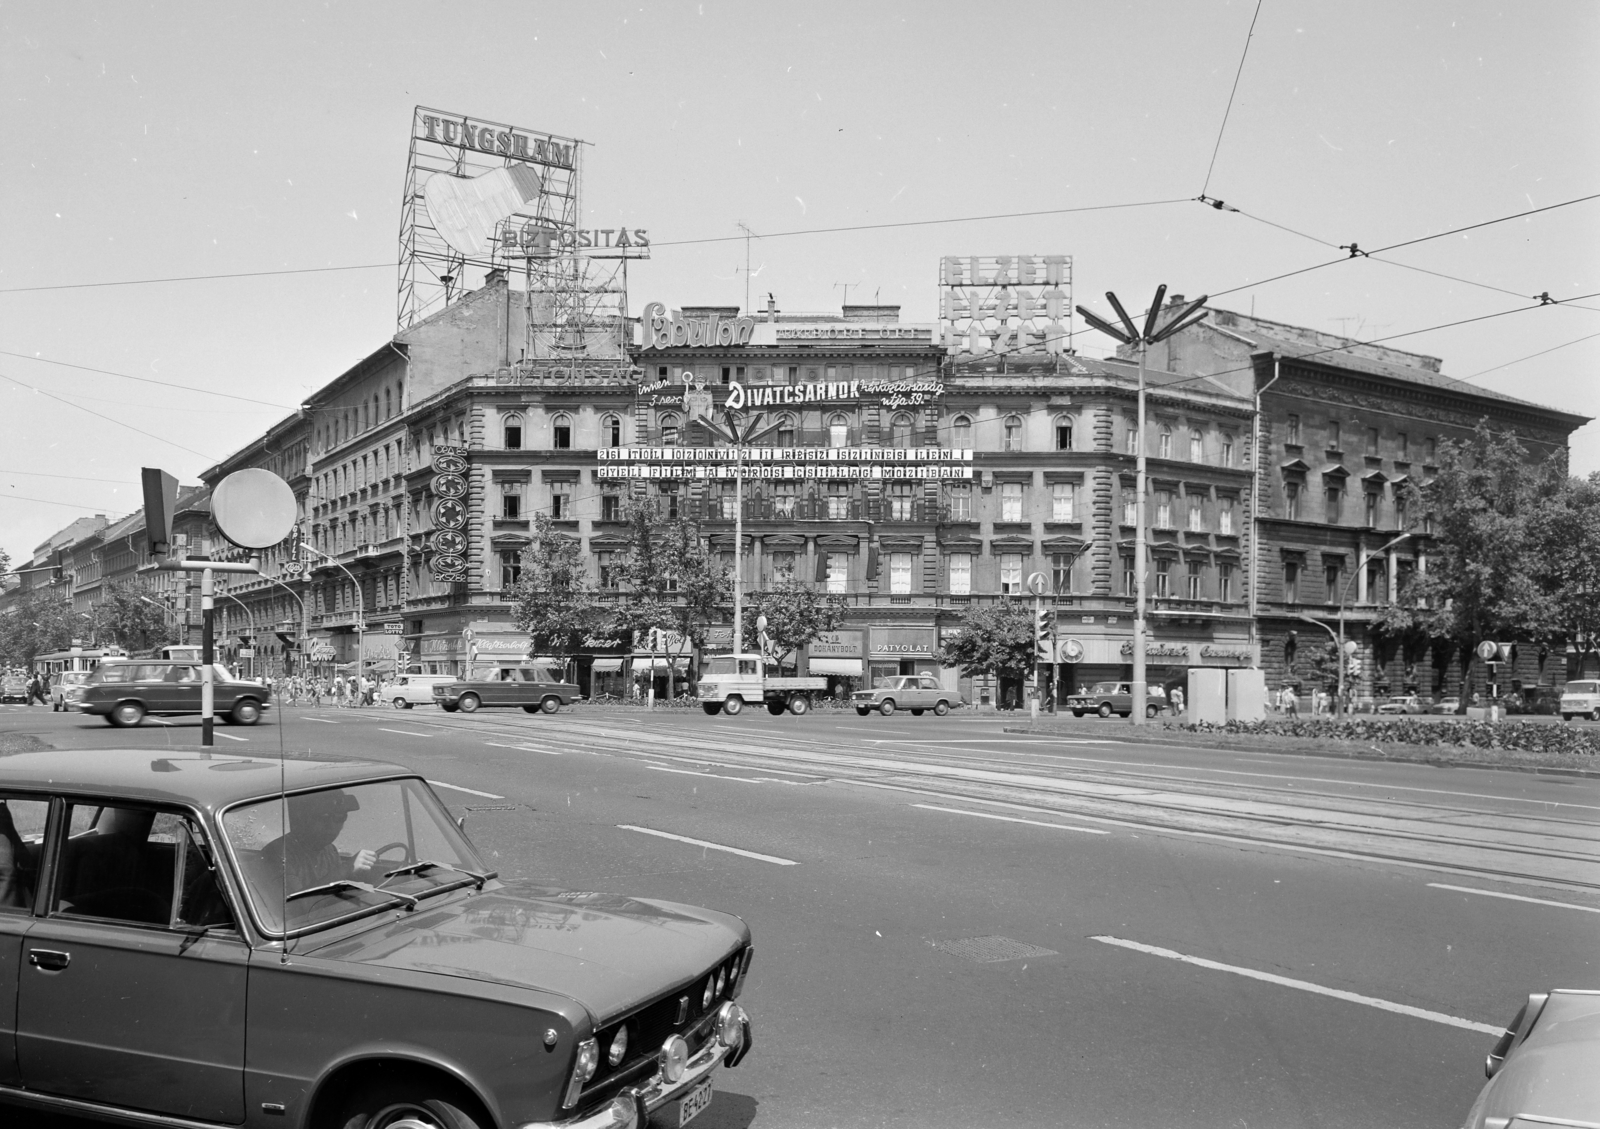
<point x="1103" y="688"/>
<point x="1582" y="688"/>
<point x="347" y="851"/>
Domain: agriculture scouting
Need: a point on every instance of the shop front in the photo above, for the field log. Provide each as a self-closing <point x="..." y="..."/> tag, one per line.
<point x="837" y="656"/>
<point x="1103" y="652"/>
<point x="901" y="650"/>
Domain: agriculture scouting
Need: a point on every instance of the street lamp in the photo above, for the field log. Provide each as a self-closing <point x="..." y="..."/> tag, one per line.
<point x="739" y="434"/>
<point x="361" y="608"/>
<point x="1128" y="334"/>
<point x="252" y="616"/>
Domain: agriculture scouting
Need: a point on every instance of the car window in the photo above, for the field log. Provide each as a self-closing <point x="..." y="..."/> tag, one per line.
<point x="137" y="865"/>
<point x="747" y="666"/>
<point x="22" y="824"/>
<point x="183" y="674"/>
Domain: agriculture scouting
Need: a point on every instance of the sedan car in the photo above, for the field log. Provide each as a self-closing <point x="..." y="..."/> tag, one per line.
<point x="1403" y="703"/>
<point x="342" y="955"/>
<point x="1107" y="698"/>
<point x="1542" y="1071"/>
<point x="914" y="692"/>
<point x="532" y="687"/>
<point x="124" y="692"/>
<point x="14" y="688"/>
<point x="66" y="688"/>
<point x="1448" y="704"/>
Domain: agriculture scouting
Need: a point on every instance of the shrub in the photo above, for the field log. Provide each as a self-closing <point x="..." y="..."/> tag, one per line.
<point x="1526" y="736"/>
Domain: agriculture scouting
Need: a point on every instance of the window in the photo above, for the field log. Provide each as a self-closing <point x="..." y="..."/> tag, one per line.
<point x="960" y="501"/>
<point x="1401" y="516"/>
<point x="1292" y="425"/>
<point x="1291" y="582"/>
<point x="1130" y="506"/>
<point x="1063" y="433"/>
<point x="1011" y="573"/>
<point x="785" y="433"/>
<point x="1163" y="578"/>
<point x="1291" y="501"/>
<point x="838" y="430"/>
<point x="606" y="562"/>
<point x="1012" y="440"/>
<point x="611" y="431"/>
<point x="838" y="574"/>
<point x="1197" y="446"/>
<point x="783" y="564"/>
<point x="1129" y="581"/>
<point x="783" y="496"/>
<point x="900" y="573"/>
<point x="1061" y="572"/>
<point x="1063" y="501"/>
<point x="726" y="502"/>
<point x="838" y="499"/>
<point x="1331" y="575"/>
<point x="960" y="574"/>
<point x="1197" y="513"/>
<point x="900" y="502"/>
<point x="511" y="431"/>
<point x="1333" y="436"/>
<point x="610" y="503"/>
<point x="510" y="567"/>
<point x="1378" y="581"/>
<point x="725" y="562"/>
<point x="1191" y="583"/>
<point x="127" y="864"/>
<point x="668" y="425"/>
<point x="1403" y="442"/>
<point x="1163" y="509"/>
<point x="1227" y="449"/>
<point x="561" y="508"/>
<point x="900" y="430"/>
<point x="1430" y="449"/>
<point x="727" y="374"/>
<point x="511" y="501"/>
<point x="1372" y="440"/>
<point x="561" y="432"/>
<point x="1164" y="442"/>
<point x="18" y="879"/>
<point x="1334" y="503"/>
<point x="1225" y="516"/>
<point x="961" y="431"/>
<point x="1372" y="509"/>
<point x="1011" y="501"/>
<point x="1225" y="583"/>
<point x="1130" y="437"/>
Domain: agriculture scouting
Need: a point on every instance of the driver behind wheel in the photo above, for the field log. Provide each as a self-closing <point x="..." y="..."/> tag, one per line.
<point x="307" y="853"/>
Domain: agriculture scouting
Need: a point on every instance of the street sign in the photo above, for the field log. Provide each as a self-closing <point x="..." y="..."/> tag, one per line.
<point x="254" y="508"/>
<point x="394" y="629"/>
<point x="247" y="652"/>
<point x="1488" y="649"/>
<point x="1038" y="583"/>
<point x="1505" y="652"/>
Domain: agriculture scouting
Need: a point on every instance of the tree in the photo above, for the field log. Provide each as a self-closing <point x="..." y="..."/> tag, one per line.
<point x="1491" y="504"/>
<point x="557" y="603"/>
<point x="995" y="639"/>
<point x="124" y="618"/>
<point x="40" y="622"/>
<point x="797" y="615"/>
<point x="673" y="580"/>
<point x="1566" y="537"/>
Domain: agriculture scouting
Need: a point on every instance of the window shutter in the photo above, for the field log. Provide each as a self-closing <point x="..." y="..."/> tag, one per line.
<point x="822" y="565"/>
<point x="872" y="564"/>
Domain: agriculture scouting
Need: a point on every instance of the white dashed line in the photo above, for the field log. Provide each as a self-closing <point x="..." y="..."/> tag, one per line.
<point x="318" y="720"/>
<point x="1013" y="819"/>
<point x="1306" y="986"/>
<point x="774" y="859"/>
<point x="522" y="748"/>
<point x="735" y="779"/>
<point x="469" y="791"/>
<point x="230" y="737"/>
<point x="1513" y="897"/>
<point x="404" y="732"/>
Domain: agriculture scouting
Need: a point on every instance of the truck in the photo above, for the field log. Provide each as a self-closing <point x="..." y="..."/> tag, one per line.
<point x="728" y="683"/>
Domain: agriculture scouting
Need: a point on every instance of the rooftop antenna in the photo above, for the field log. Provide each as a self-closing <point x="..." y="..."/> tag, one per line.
<point x="747" y="234"/>
<point x="847" y="286"/>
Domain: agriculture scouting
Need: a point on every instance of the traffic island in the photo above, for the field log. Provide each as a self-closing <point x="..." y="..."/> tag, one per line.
<point x="1511" y="745"/>
<point x="13" y="743"/>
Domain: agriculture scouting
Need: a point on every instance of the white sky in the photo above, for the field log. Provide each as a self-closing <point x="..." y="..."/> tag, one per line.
<point x="149" y="141"/>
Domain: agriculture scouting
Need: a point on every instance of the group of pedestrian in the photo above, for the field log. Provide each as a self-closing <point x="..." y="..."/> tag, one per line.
<point x="343" y="691"/>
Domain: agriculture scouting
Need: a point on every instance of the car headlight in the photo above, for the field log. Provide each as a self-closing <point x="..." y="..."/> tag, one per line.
<point x="722" y="980"/>
<point x="619" y="1046"/>
<point x="582" y="1070"/>
<point x="709" y="993"/>
<point x="674" y="1058"/>
<point x="730" y="1025"/>
<point x="624" y="1112"/>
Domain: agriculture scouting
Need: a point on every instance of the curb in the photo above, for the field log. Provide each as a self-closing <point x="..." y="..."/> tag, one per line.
<point x="1431" y="762"/>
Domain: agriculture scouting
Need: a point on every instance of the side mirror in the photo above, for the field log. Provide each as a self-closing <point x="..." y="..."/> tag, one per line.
<point x="461" y="824"/>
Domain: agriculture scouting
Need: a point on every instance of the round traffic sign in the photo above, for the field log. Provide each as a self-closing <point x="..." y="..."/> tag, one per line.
<point x="1038" y="583"/>
<point x="254" y="508"/>
<point x="1488" y="649"/>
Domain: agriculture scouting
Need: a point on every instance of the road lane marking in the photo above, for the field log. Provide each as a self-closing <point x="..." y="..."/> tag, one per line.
<point x="319" y="720"/>
<point x="774" y="859"/>
<point x="469" y="791"/>
<point x="522" y="748"/>
<point x="1013" y="819"/>
<point x="1306" y="986"/>
<point x="404" y="732"/>
<point x="735" y="779"/>
<point x="1512" y="897"/>
<point x="231" y="737"/>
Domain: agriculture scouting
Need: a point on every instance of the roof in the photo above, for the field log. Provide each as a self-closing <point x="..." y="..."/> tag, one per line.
<point x="187" y="776"/>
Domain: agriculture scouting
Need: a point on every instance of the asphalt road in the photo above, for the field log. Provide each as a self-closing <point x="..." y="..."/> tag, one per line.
<point x="957" y="926"/>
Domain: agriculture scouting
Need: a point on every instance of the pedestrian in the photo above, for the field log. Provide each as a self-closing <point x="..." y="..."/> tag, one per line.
<point x="35" y="689"/>
<point x="338" y="693"/>
<point x="1291" y="702"/>
<point x="369" y="690"/>
<point x="1177" y="700"/>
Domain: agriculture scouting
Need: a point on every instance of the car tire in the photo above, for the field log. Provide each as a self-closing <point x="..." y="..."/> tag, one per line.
<point x="1104" y="710"/>
<point x="393" y="1103"/>
<point x="775" y="707"/>
<point x="1151" y="711"/>
<point x="469" y="703"/>
<point x="862" y="711"/>
<point x="1595" y="716"/>
<point x="400" y="704"/>
<point x="941" y="709"/>
<point x="246" y="711"/>
<point x="916" y="713"/>
<point x="530" y="709"/>
<point x="1077" y="713"/>
<point x="733" y="706"/>
<point x="711" y="708"/>
<point x="799" y="705"/>
<point x="125" y="715"/>
<point x="550" y="704"/>
<point x="886" y="707"/>
<point x="1566" y="717"/>
<point x="448" y="708"/>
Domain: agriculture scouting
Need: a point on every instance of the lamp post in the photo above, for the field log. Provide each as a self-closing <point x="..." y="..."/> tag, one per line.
<point x="1129" y="334"/>
<point x="1344" y="595"/>
<point x="735" y="431"/>
<point x="252" y="617"/>
<point x="361" y="608"/>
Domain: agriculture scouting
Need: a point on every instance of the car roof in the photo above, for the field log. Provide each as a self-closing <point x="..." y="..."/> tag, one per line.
<point x="187" y="776"/>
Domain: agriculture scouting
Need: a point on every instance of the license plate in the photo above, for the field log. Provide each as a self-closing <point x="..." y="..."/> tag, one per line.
<point x="694" y="1103"/>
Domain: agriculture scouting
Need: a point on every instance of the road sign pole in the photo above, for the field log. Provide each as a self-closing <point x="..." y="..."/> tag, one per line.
<point x="207" y="654"/>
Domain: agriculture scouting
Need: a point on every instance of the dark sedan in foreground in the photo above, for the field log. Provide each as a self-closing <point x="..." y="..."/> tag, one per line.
<point x="125" y="692"/>
<point x="190" y="939"/>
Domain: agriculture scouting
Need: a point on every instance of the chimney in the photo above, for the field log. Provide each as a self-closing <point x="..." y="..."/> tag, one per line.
<point x="494" y="277"/>
<point x="1175" y="301"/>
<point x="772" y="307"/>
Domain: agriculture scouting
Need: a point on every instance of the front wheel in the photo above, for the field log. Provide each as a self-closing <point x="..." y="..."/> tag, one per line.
<point x="1151" y="711"/>
<point x="550" y="704"/>
<point x="400" y="704"/>
<point x="711" y="708"/>
<point x="941" y="709"/>
<point x="886" y="707"/>
<point x="799" y="704"/>
<point x="1595" y="716"/>
<point x="469" y="703"/>
<point x="245" y="712"/>
<point x="1566" y="717"/>
<point x="530" y="709"/>
<point x="733" y="706"/>
<point x="127" y="714"/>
<point x="1077" y="713"/>
<point x="862" y="711"/>
<point x="393" y="1104"/>
<point x="1105" y="709"/>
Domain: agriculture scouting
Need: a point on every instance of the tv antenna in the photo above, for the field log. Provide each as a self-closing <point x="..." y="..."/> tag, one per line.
<point x="747" y="234"/>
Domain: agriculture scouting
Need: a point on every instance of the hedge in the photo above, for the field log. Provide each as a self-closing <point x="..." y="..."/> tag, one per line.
<point x="1528" y="736"/>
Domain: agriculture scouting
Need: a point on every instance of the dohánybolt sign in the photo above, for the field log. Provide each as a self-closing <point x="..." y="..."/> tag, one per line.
<point x="449" y="564"/>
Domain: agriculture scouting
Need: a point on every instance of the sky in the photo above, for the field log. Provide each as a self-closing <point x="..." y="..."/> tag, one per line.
<point x="162" y="141"/>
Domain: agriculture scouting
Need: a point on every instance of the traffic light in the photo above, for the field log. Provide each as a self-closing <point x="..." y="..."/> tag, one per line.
<point x="160" y="502"/>
<point x="1044" y="634"/>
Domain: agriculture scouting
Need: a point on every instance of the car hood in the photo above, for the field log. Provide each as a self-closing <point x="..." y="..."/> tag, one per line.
<point x="1553" y="1072"/>
<point x="609" y="952"/>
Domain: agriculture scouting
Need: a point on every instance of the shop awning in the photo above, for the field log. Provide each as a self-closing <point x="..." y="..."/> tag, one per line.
<point x="658" y="662"/>
<point x="848" y="667"/>
<point x="607" y="666"/>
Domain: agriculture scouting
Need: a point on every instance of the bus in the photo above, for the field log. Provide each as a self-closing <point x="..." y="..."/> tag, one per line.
<point x="180" y="652"/>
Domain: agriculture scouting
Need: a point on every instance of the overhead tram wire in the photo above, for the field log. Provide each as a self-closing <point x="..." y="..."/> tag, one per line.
<point x="1217" y="148"/>
<point x="145" y="379"/>
<point x="52" y="502"/>
<point x="109" y="419"/>
<point x="1530" y="356"/>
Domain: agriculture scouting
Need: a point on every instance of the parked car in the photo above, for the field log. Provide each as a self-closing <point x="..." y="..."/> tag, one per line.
<point x="66" y="688"/>
<point x="124" y="692"/>
<point x="914" y="692"/>
<point x="406" y="691"/>
<point x="1581" y="698"/>
<point x="1450" y="703"/>
<point x="1107" y="698"/>
<point x="1403" y="703"/>
<point x="532" y="687"/>
<point x="1542" y="1070"/>
<point x="342" y="954"/>
<point x="14" y="688"/>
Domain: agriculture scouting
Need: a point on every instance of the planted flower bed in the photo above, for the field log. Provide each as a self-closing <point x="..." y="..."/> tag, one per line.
<point x="1533" y="737"/>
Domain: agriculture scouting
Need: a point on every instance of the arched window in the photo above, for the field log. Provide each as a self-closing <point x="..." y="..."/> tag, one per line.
<point x="667" y="422"/>
<point x="961" y="431"/>
<point x="1063" y="433"/>
<point x="511" y="429"/>
<point x="900" y="430"/>
<point x="388" y="404"/>
<point x="561" y="431"/>
<point x="611" y="431"/>
<point x="1197" y="446"/>
<point x="785" y="433"/>
<point x="1164" y="442"/>
<point x="838" y="430"/>
<point x="1013" y="434"/>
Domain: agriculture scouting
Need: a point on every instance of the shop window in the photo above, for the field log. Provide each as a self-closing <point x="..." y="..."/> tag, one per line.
<point x="510" y="568"/>
<point x="561" y="432"/>
<point x="1011" y="574"/>
<point x="900" y="573"/>
<point x="959" y="500"/>
<point x="1011" y="501"/>
<point x="1012" y="438"/>
<point x="783" y="497"/>
<point x="1063" y="501"/>
<point x="960" y="574"/>
<point x="1225" y="583"/>
<point x="511" y="432"/>
<point x="900" y="430"/>
<point x="1063" y="433"/>
<point x="961" y="431"/>
<point x="668" y="426"/>
<point x="1192" y="582"/>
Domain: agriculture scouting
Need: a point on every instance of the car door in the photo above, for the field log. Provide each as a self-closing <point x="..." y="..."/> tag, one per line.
<point x="22" y="831"/>
<point x="132" y="985"/>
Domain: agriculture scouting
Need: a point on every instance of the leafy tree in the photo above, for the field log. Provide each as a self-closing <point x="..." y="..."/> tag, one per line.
<point x="1566" y="539"/>
<point x="557" y="603"/>
<point x="797" y="614"/>
<point x="125" y="619"/>
<point x="995" y="639"/>
<point x="673" y="580"/>
<point x="41" y="621"/>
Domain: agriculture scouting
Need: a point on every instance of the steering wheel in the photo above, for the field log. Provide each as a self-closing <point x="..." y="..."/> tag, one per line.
<point x="390" y="847"/>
